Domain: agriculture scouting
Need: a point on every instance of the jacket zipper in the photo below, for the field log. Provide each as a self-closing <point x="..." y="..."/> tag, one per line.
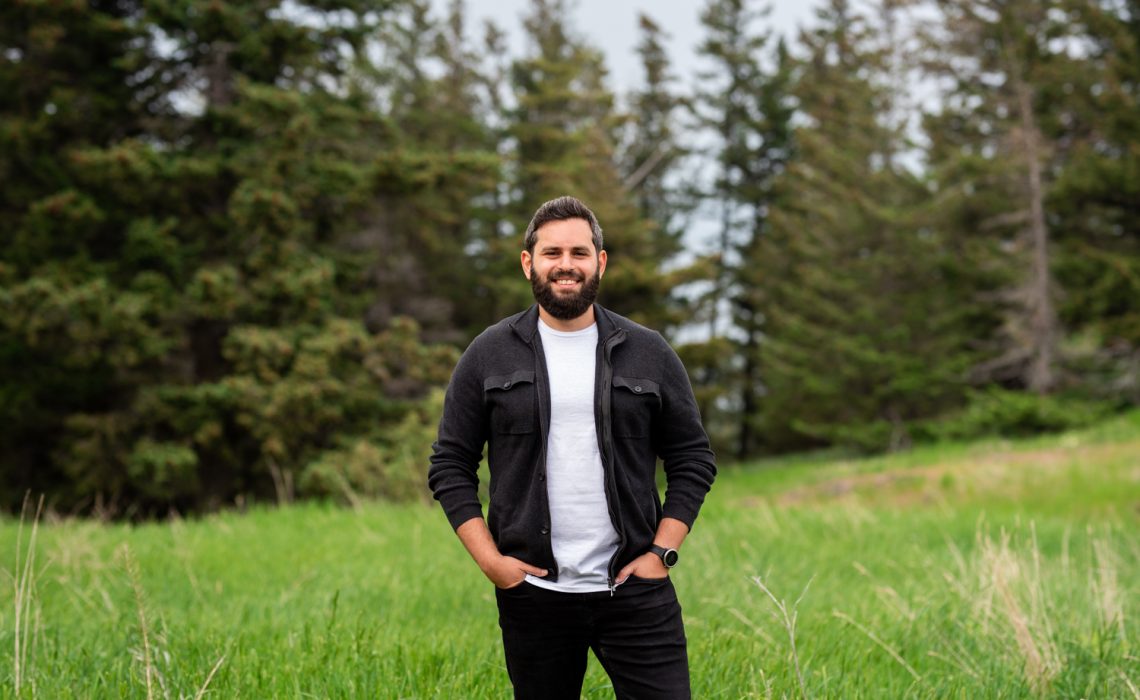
<point x="543" y="428"/>
<point x="606" y="440"/>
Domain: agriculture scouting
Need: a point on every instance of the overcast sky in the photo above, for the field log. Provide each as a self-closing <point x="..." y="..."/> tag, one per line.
<point x="611" y="25"/>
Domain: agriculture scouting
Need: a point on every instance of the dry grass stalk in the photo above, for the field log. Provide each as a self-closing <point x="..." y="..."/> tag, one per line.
<point x="767" y="685"/>
<point x="959" y="558"/>
<point x="983" y="602"/>
<point x="957" y="661"/>
<point x="136" y="586"/>
<point x="1039" y="654"/>
<point x="1038" y="609"/>
<point x="182" y="550"/>
<point x="202" y="691"/>
<point x="892" y="598"/>
<point x="1106" y="589"/>
<point x="26" y="627"/>
<point x="887" y="595"/>
<point x="1065" y="538"/>
<point x="1131" y="686"/>
<point x="151" y="648"/>
<point x="759" y="631"/>
<point x="788" y="620"/>
<point x="875" y="638"/>
<point x="350" y="495"/>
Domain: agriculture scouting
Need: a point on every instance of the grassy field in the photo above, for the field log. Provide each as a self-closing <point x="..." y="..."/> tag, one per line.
<point x="982" y="570"/>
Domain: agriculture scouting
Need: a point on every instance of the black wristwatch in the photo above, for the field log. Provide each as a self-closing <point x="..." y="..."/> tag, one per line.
<point x="668" y="556"/>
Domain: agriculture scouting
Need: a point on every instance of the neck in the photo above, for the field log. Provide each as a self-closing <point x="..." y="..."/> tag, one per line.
<point x="574" y="324"/>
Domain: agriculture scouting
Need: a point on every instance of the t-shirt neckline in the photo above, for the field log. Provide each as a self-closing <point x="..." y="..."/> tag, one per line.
<point x="588" y="330"/>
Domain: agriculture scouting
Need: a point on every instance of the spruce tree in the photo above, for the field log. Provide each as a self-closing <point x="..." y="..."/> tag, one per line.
<point x="994" y="163"/>
<point x="724" y="104"/>
<point x="743" y="102"/>
<point x="1096" y="199"/>
<point x="436" y="221"/>
<point x="203" y="295"/>
<point x="563" y="128"/>
<point x="73" y="78"/>
<point x="652" y="150"/>
<point x="862" y="337"/>
<point x="766" y="163"/>
<point x="654" y="162"/>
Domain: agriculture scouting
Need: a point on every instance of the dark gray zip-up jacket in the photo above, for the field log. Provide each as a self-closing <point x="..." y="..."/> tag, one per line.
<point x="644" y="408"/>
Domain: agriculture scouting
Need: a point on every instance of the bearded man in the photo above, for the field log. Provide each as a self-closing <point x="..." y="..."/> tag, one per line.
<point x="575" y="405"/>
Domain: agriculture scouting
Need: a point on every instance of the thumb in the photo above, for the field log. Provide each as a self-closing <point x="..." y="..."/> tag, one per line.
<point x="533" y="570"/>
<point x="625" y="572"/>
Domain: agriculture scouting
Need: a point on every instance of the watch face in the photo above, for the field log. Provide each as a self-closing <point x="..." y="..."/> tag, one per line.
<point x="670" y="558"/>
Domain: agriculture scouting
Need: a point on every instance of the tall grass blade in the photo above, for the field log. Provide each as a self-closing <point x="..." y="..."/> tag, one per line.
<point x="24" y="595"/>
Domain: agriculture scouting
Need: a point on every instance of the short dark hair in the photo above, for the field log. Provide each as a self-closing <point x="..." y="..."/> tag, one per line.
<point x="561" y="209"/>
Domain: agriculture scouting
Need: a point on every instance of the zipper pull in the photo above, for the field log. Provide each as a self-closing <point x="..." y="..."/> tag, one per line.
<point x="612" y="587"/>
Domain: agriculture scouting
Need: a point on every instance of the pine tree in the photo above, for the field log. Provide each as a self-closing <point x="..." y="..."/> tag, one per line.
<point x="1096" y="198"/>
<point x="724" y="104"/>
<point x="72" y="78"/>
<point x="862" y="337"/>
<point x="653" y="163"/>
<point x="992" y="162"/>
<point x="563" y="127"/>
<point x="652" y="151"/>
<point x="743" y="99"/>
<point x="767" y="162"/>
<point x="436" y="221"/>
<point x="201" y="289"/>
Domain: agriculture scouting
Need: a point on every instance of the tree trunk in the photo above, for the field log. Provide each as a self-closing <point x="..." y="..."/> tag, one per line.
<point x="748" y="394"/>
<point x="219" y="77"/>
<point x="1041" y="376"/>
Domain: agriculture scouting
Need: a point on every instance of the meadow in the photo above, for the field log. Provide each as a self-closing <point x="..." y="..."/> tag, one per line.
<point x="994" y="569"/>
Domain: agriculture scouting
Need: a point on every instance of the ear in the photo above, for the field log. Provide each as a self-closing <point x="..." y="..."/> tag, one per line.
<point x="525" y="260"/>
<point x="602" y="257"/>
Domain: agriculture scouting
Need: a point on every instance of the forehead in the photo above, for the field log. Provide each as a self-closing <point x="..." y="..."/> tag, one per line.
<point x="567" y="233"/>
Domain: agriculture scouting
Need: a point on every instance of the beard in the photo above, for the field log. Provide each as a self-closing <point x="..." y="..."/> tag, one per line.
<point x="565" y="306"/>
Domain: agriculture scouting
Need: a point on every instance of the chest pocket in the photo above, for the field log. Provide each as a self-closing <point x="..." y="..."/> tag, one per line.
<point x="512" y="399"/>
<point x="636" y="402"/>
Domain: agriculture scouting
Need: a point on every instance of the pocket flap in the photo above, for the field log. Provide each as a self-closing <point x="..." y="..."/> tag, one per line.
<point x="638" y="385"/>
<point x="503" y="382"/>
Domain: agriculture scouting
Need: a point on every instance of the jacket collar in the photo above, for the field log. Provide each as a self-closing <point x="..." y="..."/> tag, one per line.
<point x="526" y="323"/>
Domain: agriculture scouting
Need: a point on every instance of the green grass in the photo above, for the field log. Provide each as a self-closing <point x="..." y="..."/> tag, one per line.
<point x="985" y="570"/>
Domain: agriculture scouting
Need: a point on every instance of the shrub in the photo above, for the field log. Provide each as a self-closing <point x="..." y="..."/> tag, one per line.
<point x="1000" y="412"/>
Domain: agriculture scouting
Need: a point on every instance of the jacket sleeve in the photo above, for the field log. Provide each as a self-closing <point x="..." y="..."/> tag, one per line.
<point x="453" y="476"/>
<point x="682" y="444"/>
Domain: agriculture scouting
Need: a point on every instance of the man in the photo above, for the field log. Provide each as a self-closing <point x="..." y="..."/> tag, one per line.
<point x="575" y="404"/>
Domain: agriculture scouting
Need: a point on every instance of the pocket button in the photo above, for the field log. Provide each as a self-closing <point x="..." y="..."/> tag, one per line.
<point x="637" y="389"/>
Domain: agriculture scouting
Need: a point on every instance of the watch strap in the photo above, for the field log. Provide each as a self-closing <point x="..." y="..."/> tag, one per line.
<point x="665" y="554"/>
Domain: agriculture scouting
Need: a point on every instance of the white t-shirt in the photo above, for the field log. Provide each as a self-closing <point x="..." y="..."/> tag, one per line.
<point x="581" y="532"/>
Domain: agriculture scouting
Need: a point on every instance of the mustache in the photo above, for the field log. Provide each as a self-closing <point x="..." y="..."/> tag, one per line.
<point x="566" y="275"/>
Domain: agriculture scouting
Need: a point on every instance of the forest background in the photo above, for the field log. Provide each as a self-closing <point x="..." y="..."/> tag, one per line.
<point x="244" y="243"/>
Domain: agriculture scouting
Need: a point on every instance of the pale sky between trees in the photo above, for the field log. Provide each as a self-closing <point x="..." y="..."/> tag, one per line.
<point x="611" y="25"/>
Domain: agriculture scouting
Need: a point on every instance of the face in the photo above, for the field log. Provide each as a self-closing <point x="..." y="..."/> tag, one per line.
<point x="565" y="268"/>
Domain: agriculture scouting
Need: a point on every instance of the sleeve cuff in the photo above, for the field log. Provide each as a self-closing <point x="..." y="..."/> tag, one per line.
<point x="462" y="513"/>
<point x="679" y="512"/>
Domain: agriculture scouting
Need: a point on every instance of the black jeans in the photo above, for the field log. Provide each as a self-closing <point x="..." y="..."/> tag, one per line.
<point x="637" y="635"/>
